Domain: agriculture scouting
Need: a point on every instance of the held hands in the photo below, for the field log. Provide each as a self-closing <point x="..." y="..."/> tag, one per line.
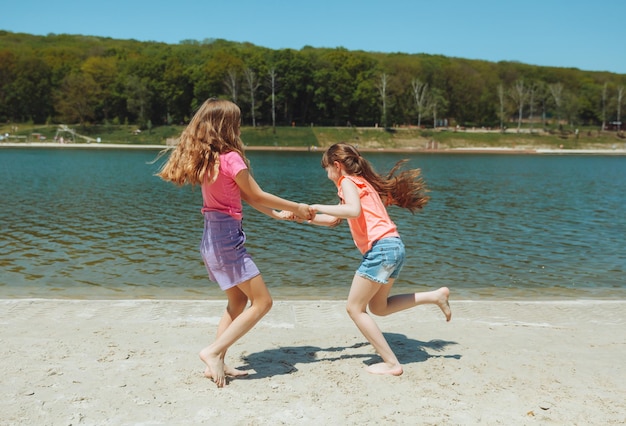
<point x="284" y="215"/>
<point x="304" y="213"/>
<point x="313" y="209"/>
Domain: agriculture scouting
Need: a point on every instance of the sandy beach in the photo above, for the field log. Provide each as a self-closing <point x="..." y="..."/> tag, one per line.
<point x="95" y="362"/>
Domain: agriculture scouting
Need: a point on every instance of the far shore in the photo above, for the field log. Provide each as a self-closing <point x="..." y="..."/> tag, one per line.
<point x="472" y="150"/>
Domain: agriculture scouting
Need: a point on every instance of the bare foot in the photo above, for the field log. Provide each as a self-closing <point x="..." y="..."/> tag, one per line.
<point x="442" y="302"/>
<point x="233" y="372"/>
<point x="215" y="367"/>
<point x="382" y="368"/>
<point x="228" y="371"/>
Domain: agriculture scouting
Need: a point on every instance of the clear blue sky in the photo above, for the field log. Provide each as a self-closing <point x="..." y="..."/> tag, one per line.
<point x="590" y="35"/>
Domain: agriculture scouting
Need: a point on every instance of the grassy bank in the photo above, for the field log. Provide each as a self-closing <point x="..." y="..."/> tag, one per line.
<point x="400" y="138"/>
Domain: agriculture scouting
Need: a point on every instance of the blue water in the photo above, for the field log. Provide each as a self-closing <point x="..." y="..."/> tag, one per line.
<point x="97" y="224"/>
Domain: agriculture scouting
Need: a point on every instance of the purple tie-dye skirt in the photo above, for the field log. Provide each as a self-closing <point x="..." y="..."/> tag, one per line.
<point x="223" y="251"/>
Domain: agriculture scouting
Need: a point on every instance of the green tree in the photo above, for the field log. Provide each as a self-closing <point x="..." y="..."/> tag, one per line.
<point x="103" y="71"/>
<point x="7" y="76"/>
<point x="294" y="99"/>
<point x="321" y="86"/>
<point x="29" y="93"/>
<point x="76" y="99"/>
<point x="138" y="99"/>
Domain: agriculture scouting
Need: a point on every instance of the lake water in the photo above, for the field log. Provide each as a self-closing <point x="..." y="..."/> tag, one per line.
<point x="97" y="224"/>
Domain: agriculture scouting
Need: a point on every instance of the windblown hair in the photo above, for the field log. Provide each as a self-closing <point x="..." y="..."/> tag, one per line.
<point x="213" y="130"/>
<point x="406" y="189"/>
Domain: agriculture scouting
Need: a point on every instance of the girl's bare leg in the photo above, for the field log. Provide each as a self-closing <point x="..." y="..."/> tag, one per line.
<point x="361" y="292"/>
<point x="382" y="305"/>
<point x="260" y="303"/>
<point x="237" y="302"/>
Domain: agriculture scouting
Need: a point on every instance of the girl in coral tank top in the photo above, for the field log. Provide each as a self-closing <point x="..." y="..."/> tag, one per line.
<point x="364" y="195"/>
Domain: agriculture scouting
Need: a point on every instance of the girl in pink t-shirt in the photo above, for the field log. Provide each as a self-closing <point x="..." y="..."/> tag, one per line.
<point x="364" y="194"/>
<point x="210" y="153"/>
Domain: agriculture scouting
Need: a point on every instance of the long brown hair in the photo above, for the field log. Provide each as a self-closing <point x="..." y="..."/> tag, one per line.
<point x="406" y="190"/>
<point x="213" y="130"/>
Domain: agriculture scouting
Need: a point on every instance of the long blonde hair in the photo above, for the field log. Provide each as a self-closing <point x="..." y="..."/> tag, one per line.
<point x="406" y="190"/>
<point x="213" y="130"/>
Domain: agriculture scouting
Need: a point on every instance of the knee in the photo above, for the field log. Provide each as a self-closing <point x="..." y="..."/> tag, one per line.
<point x="266" y="304"/>
<point x="234" y="308"/>
<point x="353" y="310"/>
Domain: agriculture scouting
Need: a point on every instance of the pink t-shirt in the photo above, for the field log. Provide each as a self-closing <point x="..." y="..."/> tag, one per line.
<point x="374" y="222"/>
<point x="223" y="195"/>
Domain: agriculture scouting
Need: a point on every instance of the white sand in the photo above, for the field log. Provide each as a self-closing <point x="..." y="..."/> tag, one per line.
<point x="135" y="362"/>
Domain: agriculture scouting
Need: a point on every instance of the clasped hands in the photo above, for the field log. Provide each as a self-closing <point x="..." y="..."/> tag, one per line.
<point x="305" y="212"/>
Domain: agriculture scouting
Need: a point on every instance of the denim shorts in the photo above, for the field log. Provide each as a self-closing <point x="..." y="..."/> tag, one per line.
<point x="223" y="251"/>
<point x="383" y="261"/>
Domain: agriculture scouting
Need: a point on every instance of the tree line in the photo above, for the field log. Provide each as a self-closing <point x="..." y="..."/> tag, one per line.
<point x="97" y="80"/>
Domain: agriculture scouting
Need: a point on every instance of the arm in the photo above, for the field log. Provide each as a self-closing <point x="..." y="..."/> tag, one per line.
<point x="325" y="220"/>
<point x="319" y="219"/>
<point x="278" y="215"/>
<point x="351" y="207"/>
<point x="263" y="201"/>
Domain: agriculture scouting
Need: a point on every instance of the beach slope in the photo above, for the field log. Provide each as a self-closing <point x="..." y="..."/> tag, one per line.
<point x="135" y="362"/>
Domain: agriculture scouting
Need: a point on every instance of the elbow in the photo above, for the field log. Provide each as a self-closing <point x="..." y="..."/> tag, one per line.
<point x="253" y="199"/>
<point x="353" y="214"/>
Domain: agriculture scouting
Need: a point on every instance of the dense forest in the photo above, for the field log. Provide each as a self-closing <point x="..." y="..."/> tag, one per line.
<point x="94" y="80"/>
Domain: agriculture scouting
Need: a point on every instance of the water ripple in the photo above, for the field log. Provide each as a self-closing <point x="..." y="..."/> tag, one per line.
<point x="99" y="224"/>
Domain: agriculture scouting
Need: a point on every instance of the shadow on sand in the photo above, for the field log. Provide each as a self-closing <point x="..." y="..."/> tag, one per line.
<point x="284" y="360"/>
